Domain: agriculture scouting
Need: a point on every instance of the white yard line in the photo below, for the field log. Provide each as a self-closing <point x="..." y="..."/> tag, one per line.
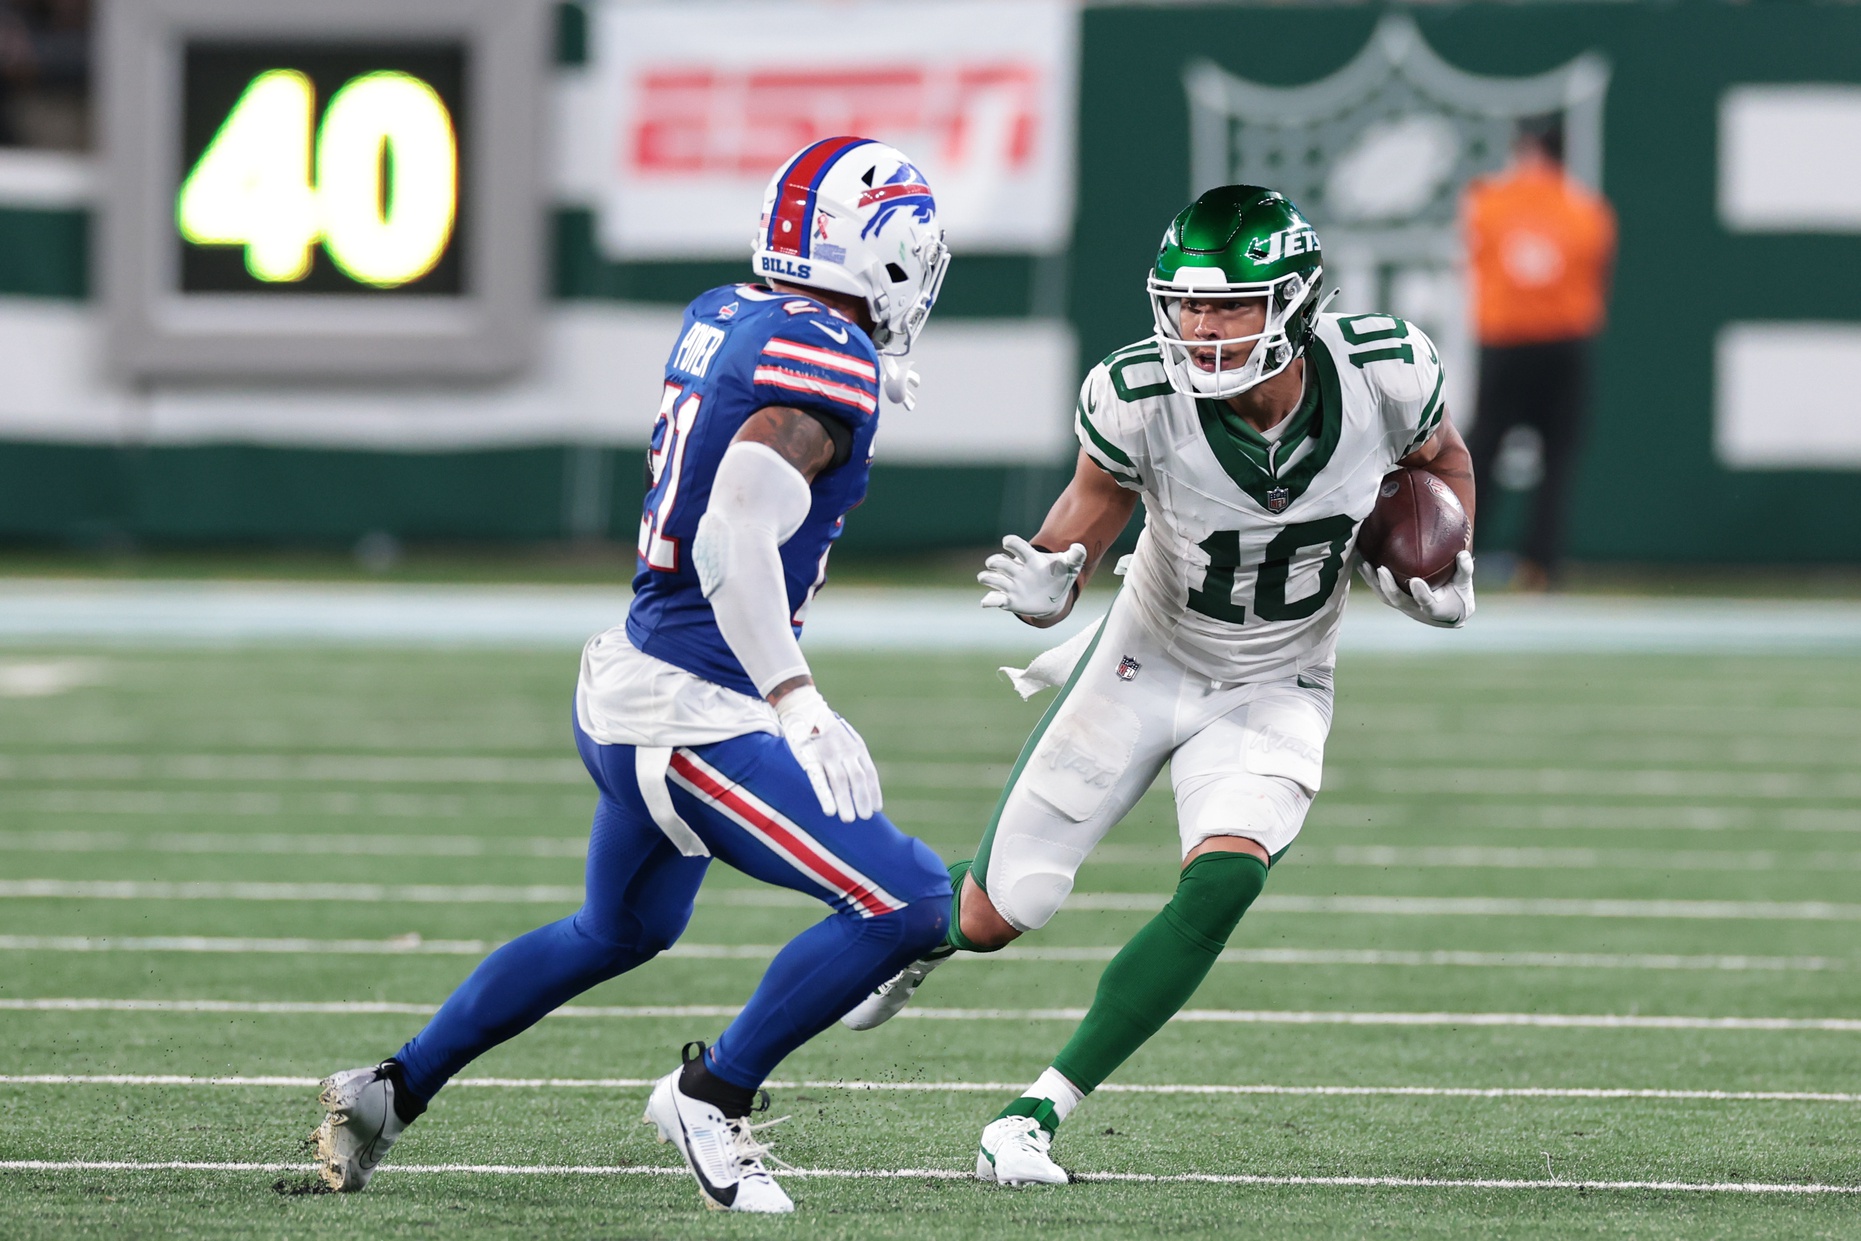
<point x="1593" y="1021"/>
<point x="454" y="769"/>
<point x="305" y="845"/>
<point x="1742" y="785"/>
<point x="295" y="768"/>
<point x="949" y="1174"/>
<point x="476" y="803"/>
<point x="645" y="1083"/>
<point x="778" y="898"/>
<point x="1408" y="779"/>
<point x="1395" y="857"/>
<point x="415" y="945"/>
<point x="366" y="893"/>
<point x="1539" y="814"/>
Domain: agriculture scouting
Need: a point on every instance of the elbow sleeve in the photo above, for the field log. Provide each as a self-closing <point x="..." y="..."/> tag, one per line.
<point x="758" y="501"/>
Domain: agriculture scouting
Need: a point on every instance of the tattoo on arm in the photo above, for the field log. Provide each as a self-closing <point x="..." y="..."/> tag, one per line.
<point x="793" y="683"/>
<point x="797" y="437"/>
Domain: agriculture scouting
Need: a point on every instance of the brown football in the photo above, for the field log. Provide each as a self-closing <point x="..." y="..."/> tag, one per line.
<point x="1416" y="528"/>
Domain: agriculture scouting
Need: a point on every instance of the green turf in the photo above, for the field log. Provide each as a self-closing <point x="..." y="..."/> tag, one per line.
<point x="1639" y="779"/>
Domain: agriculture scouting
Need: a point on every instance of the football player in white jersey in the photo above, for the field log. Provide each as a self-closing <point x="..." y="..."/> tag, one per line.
<point x="1257" y="430"/>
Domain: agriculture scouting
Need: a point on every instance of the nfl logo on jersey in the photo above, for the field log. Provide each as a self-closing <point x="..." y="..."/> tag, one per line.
<point x="1127" y="669"/>
<point x="1278" y="499"/>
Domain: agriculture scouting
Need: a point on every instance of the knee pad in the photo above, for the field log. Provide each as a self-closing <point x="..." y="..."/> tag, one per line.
<point x="1029" y="900"/>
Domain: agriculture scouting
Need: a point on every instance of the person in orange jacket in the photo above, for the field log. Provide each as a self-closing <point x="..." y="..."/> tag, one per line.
<point x="1541" y="250"/>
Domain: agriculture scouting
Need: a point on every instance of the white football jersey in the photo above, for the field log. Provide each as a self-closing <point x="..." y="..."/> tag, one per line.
<point x="1241" y="566"/>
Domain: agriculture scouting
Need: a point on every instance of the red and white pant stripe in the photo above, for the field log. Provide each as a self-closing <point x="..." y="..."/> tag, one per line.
<point x="781" y="834"/>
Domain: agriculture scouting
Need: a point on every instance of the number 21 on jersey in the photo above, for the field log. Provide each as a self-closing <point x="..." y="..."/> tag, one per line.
<point x="665" y="462"/>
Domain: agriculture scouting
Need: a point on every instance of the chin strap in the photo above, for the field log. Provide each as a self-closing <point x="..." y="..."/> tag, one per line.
<point x="1311" y="323"/>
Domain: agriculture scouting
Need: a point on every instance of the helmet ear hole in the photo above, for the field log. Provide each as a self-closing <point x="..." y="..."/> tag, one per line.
<point x="896" y="272"/>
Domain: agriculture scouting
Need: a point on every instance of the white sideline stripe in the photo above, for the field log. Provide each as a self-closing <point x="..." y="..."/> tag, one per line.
<point x="1594" y="1021"/>
<point x="1144" y="902"/>
<point x="414" y="945"/>
<point x="645" y="1083"/>
<point x="949" y="1174"/>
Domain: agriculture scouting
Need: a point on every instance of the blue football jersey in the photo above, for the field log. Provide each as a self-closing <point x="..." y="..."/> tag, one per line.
<point x="740" y="348"/>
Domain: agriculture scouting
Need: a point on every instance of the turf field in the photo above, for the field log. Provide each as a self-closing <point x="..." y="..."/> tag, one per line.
<point x="1570" y="946"/>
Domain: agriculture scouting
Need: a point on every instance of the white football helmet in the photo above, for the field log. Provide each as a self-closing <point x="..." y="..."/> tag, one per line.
<point x="854" y="216"/>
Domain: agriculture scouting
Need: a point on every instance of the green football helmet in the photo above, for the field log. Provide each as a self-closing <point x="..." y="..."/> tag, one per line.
<point x="1233" y="243"/>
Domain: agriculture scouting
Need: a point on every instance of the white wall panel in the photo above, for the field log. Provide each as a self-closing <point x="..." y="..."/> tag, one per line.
<point x="1788" y="396"/>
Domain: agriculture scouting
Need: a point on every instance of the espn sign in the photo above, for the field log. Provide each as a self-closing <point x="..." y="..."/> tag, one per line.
<point x="701" y="102"/>
<point x="705" y="122"/>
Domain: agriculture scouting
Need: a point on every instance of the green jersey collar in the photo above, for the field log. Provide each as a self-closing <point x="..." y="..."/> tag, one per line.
<point x="1257" y="464"/>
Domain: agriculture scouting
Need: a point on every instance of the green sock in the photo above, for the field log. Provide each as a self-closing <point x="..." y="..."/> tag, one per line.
<point x="955" y="937"/>
<point x="1154" y="975"/>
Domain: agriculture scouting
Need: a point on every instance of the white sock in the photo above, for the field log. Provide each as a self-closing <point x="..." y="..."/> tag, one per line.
<point x="1054" y="1087"/>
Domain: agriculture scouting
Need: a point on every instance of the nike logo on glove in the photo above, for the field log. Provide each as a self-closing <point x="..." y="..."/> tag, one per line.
<point x="837" y="333"/>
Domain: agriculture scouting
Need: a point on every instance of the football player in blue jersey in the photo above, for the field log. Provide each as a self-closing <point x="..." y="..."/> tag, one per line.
<point x="698" y="719"/>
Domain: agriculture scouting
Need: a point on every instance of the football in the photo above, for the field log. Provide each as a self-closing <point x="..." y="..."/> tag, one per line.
<point x="1416" y="528"/>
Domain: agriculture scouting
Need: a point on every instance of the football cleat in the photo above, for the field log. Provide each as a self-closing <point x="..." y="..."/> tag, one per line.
<point x="895" y="992"/>
<point x="360" y="1125"/>
<point x="1014" y="1151"/>
<point x="722" y="1151"/>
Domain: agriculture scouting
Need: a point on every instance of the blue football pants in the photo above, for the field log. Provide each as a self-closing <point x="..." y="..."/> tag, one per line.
<point x="750" y="803"/>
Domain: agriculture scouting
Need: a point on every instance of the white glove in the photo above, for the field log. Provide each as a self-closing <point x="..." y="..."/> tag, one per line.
<point x="833" y="755"/>
<point x="1447" y="608"/>
<point x="1030" y="582"/>
<point x="901" y="382"/>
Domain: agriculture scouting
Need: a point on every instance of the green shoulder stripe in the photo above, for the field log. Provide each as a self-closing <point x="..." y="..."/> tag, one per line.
<point x="1147" y="345"/>
<point x="1431" y="414"/>
<point x="1100" y="442"/>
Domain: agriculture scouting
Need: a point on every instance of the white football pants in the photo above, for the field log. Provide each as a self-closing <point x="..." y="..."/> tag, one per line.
<point x="1245" y="760"/>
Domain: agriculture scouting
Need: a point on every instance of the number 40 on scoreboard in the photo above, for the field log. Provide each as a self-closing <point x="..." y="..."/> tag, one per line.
<point x="333" y="191"/>
<point x="382" y="197"/>
<point x="354" y="149"/>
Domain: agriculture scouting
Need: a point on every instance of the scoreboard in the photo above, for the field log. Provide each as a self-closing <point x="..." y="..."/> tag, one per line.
<point x="341" y="190"/>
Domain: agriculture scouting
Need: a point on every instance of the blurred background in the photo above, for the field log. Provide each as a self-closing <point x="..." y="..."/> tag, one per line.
<point x="171" y="400"/>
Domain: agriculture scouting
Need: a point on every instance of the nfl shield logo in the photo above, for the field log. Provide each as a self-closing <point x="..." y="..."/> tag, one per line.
<point x="1127" y="669"/>
<point x="1278" y="499"/>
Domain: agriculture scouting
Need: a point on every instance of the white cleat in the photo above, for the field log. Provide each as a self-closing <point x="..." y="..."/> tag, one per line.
<point x="721" y="1151"/>
<point x="1014" y="1152"/>
<point x="893" y="994"/>
<point x="360" y="1127"/>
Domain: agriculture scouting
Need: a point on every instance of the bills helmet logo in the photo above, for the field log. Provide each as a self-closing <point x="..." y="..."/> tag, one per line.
<point x="1277" y="500"/>
<point x="903" y="189"/>
<point x="1127" y="669"/>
